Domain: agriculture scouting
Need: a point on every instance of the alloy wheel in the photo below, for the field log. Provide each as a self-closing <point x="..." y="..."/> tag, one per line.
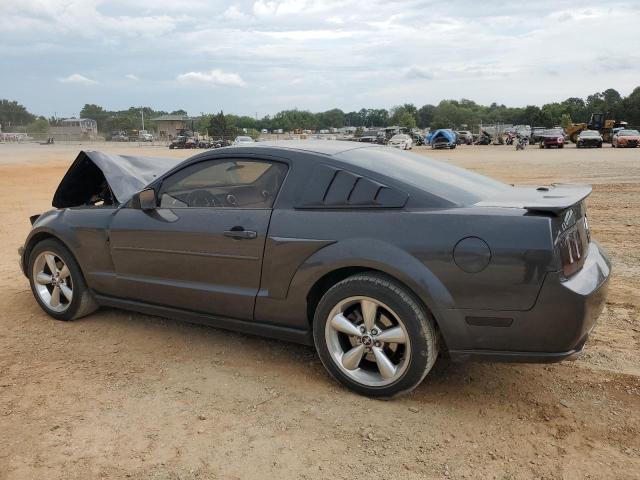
<point x="52" y="281"/>
<point x="368" y="341"/>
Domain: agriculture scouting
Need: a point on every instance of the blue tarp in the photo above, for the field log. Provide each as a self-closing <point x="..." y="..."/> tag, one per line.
<point x="443" y="132"/>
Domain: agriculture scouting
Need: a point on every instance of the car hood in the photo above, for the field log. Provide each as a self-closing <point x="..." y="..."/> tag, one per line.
<point x="124" y="174"/>
<point x="629" y="137"/>
<point x="553" y="198"/>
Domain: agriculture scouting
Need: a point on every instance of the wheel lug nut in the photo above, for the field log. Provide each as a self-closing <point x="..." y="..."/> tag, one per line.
<point x="374" y="331"/>
<point x="362" y="329"/>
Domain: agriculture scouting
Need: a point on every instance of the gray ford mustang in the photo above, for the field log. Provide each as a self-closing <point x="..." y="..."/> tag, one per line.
<point x="381" y="259"/>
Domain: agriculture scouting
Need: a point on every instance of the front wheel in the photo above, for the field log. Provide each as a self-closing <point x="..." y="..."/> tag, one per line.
<point x="374" y="336"/>
<point x="57" y="282"/>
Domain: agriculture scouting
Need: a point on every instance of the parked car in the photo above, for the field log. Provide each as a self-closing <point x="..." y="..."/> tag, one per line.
<point x="119" y="136"/>
<point x="243" y="140"/>
<point x="373" y="136"/>
<point x="552" y="137"/>
<point x="145" y="136"/>
<point x="464" y="136"/>
<point x="417" y="138"/>
<point x="379" y="258"/>
<point x="443" y="138"/>
<point x="589" y="138"/>
<point x="626" y="139"/>
<point x="483" y="138"/>
<point x="536" y="135"/>
<point x="221" y="142"/>
<point x="401" y="141"/>
<point x="183" y="142"/>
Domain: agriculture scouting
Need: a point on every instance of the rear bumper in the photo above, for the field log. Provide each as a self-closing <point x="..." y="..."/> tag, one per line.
<point x="556" y="328"/>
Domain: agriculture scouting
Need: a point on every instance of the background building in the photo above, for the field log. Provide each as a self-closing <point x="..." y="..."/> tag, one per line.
<point x="169" y="126"/>
<point x="75" y="128"/>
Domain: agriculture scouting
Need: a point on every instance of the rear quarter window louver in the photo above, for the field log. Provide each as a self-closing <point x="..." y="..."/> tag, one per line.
<point x="330" y="187"/>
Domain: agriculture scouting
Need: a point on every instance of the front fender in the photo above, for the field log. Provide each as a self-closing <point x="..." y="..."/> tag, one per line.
<point x="83" y="231"/>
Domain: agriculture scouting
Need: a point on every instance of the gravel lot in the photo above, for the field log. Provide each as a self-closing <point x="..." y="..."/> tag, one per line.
<point x="118" y="394"/>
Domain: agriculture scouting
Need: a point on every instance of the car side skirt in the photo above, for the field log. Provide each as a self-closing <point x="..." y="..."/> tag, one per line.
<point x="253" y="328"/>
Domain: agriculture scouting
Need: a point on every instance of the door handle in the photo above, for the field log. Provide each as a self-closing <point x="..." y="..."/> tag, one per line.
<point x="240" y="233"/>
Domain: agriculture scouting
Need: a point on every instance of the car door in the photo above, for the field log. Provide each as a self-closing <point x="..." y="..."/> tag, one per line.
<point x="201" y="249"/>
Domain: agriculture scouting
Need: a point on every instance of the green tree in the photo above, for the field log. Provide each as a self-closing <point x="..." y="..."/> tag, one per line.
<point x="425" y="115"/>
<point x="14" y="114"/>
<point x="333" y="118"/>
<point x="407" y="120"/>
<point x="398" y="112"/>
<point x="39" y="125"/>
<point x="220" y="127"/>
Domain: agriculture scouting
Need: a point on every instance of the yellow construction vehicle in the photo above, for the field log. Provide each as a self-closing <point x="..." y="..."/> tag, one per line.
<point x="596" y="122"/>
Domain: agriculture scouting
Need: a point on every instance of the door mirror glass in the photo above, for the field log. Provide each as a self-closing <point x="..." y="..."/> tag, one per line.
<point x="147" y="199"/>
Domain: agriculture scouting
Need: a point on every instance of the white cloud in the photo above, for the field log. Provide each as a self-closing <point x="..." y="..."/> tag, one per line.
<point x="308" y="34"/>
<point x="131" y="76"/>
<point x="77" y="79"/>
<point x="212" y="78"/>
<point x="314" y="54"/>
<point x="234" y="13"/>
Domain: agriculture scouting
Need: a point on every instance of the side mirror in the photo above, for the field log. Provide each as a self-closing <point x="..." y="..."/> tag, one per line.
<point x="147" y="199"/>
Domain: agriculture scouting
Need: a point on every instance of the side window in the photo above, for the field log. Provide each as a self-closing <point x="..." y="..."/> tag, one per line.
<point x="224" y="183"/>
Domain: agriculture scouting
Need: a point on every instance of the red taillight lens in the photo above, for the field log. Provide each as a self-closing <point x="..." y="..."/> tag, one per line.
<point x="573" y="246"/>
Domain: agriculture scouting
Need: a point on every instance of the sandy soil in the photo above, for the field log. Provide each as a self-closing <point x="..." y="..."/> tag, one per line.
<point x="125" y="395"/>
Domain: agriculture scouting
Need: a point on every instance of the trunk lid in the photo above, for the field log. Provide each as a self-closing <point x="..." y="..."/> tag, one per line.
<point x="568" y="218"/>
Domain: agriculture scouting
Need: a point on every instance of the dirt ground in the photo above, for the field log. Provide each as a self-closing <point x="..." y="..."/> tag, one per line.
<point x="122" y="395"/>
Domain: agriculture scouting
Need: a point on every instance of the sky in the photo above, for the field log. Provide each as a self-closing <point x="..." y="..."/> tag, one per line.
<point x="260" y="57"/>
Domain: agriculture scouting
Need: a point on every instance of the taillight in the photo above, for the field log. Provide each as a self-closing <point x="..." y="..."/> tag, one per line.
<point x="560" y="140"/>
<point x="573" y="245"/>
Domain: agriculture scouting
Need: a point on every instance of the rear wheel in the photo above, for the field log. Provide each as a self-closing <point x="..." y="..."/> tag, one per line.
<point x="374" y="336"/>
<point x="57" y="282"/>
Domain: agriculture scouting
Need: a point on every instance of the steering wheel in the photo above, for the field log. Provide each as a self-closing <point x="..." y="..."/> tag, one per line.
<point x="201" y="198"/>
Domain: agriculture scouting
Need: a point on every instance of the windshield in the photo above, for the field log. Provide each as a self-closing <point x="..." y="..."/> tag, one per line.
<point x="590" y="133"/>
<point x="554" y="131"/>
<point x="629" y="133"/>
<point x="244" y="139"/>
<point x="451" y="183"/>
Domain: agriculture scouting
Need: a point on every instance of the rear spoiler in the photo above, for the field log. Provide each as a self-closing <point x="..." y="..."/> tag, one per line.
<point x="550" y="199"/>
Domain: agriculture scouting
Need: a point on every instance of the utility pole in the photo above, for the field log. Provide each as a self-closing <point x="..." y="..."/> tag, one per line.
<point x="142" y="113"/>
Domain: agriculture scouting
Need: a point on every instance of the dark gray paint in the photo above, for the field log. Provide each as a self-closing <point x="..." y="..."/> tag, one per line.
<point x="179" y="263"/>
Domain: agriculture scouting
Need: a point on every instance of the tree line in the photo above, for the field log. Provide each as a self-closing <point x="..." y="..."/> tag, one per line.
<point x="447" y="114"/>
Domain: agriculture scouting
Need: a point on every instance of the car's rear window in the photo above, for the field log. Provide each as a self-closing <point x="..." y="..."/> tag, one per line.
<point x="451" y="183"/>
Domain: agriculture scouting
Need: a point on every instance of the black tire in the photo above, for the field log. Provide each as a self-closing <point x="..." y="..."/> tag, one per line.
<point x="82" y="302"/>
<point x="420" y="326"/>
